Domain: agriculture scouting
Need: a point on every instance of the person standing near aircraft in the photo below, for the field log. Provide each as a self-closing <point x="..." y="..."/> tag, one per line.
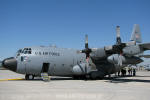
<point x="119" y="73"/>
<point x="129" y="71"/>
<point x="134" y="71"/>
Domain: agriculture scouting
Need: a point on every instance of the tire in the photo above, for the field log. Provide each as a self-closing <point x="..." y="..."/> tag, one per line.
<point x="93" y="76"/>
<point x="76" y="77"/>
<point x="29" y="77"/>
<point x="81" y="77"/>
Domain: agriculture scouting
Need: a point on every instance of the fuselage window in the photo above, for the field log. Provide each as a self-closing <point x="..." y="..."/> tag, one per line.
<point x="36" y="53"/>
<point x="29" y="52"/>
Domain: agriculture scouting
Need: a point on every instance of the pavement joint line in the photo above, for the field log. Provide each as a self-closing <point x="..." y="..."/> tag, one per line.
<point x="11" y="79"/>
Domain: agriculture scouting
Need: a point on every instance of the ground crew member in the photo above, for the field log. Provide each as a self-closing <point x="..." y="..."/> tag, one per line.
<point x="119" y="73"/>
<point x="134" y="72"/>
<point x="129" y="71"/>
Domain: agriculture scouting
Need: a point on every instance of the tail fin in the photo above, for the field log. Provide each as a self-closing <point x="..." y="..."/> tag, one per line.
<point x="136" y="34"/>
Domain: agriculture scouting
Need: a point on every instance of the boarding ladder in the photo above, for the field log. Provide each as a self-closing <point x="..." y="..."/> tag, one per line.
<point x="45" y="77"/>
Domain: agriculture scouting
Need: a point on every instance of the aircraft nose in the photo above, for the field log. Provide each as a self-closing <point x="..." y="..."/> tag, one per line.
<point x="10" y="63"/>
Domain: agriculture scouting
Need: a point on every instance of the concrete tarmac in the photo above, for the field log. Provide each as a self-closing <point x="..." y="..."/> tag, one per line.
<point x="121" y="88"/>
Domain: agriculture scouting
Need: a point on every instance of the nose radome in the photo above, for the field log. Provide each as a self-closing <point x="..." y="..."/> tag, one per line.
<point x="10" y="63"/>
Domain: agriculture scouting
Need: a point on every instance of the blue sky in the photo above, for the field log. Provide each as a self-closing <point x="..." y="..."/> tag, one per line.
<point x="65" y="22"/>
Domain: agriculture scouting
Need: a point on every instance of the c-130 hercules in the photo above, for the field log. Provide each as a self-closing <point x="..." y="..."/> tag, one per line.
<point x="92" y="62"/>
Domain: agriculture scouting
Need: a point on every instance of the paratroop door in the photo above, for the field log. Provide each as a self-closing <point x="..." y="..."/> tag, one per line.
<point x="45" y="67"/>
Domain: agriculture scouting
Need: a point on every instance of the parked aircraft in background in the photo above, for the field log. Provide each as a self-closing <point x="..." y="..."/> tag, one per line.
<point x="0" y="64"/>
<point x="89" y="62"/>
<point x="147" y="67"/>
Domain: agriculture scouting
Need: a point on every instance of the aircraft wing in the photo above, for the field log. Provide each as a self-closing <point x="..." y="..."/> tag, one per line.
<point x="145" y="56"/>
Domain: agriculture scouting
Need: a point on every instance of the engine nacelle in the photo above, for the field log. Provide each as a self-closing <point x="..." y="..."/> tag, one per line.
<point x="114" y="59"/>
<point x="81" y="69"/>
<point x="131" y="50"/>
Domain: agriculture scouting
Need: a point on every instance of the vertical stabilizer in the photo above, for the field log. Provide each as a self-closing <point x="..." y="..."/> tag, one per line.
<point x="136" y="34"/>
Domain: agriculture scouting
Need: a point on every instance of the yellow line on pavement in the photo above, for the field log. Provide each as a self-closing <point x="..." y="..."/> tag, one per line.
<point x="11" y="79"/>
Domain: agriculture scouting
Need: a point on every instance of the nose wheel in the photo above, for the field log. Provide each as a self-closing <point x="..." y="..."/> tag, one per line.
<point x="29" y="77"/>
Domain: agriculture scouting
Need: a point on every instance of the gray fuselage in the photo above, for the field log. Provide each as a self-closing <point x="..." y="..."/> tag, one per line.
<point x="61" y="61"/>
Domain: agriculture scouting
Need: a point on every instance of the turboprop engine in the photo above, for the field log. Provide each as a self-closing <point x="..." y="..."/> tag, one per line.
<point x="82" y="69"/>
<point x="116" y="59"/>
<point x="131" y="50"/>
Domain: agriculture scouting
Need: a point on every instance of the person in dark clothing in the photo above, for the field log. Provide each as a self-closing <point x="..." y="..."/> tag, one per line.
<point x="129" y="71"/>
<point x="134" y="72"/>
<point x="119" y="73"/>
<point x="123" y="72"/>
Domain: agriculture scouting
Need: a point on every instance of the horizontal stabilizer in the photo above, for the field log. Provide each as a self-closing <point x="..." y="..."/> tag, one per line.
<point x="145" y="46"/>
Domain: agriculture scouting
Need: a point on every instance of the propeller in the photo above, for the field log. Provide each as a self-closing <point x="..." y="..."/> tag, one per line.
<point x="118" y="40"/>
<point x="87" y="50"/>
<point x="118" y="47"/>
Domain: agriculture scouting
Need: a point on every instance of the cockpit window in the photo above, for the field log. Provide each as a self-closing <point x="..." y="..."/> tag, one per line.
<point x="24" y="51"/>
<point x="18" y="52"/>
<point x="27" y="51"/>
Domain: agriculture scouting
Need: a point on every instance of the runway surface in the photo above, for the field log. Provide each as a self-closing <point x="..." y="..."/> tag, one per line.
<point x="122" y="88"/>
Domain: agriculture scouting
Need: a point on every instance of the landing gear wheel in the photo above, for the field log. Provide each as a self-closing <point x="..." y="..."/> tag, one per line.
<point x="81" y="77"/>
<point x="29" y="77"/>
<point x="76" y="77"/>
<point x="93" y="76"/>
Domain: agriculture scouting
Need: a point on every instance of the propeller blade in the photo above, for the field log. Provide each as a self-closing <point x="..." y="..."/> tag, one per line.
<point x="118" y="31"/>
<point x="87" y="50"/>
<point x="86" y="42"/>
<point x="118" y="41"/>
<point x="119" y="60"/>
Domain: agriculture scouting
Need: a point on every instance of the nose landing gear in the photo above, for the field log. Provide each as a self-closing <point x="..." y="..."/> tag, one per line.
<point x="29" y="77"/>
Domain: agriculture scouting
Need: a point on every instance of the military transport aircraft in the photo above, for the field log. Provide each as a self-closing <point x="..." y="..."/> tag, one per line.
<point x="89" y="62"/>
